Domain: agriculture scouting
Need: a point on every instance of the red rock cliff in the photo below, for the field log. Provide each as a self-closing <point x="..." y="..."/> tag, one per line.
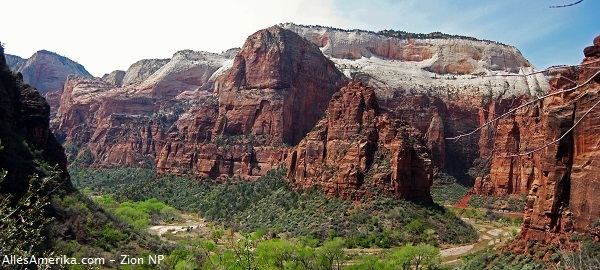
<point x="278" y="86"/>
<point x="274" y="93"/>
<point x="565" y="198"/>
<point x="357" y="150"/>
<point x="549" y="151"/>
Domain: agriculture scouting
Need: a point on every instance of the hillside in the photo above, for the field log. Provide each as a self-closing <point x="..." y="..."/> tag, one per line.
<point x="46" y="70"/>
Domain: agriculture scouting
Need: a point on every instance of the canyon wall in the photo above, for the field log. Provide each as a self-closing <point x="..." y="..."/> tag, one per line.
<point x="564" y="198"/>
<point x="357" y="150"/>
<point x="275" y="91"/>
<point x="238" y="113"/>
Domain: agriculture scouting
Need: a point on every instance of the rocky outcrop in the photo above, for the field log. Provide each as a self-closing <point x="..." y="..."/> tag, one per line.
<point x="14" y="62"/>
<point x="141" y="70"/>
<point x="275" y="89"/>
<point x="511" y="135"/>
<point x="449" y="55"/>
<point x="191" y="148"/>
<point x="29" y="145"/>
<point x="356" y="150"/>
<point x="115" y="78"/>
<point x="126" y="126"/>
<point x="48" y="71"/>
<point x="273" y="93"/>
<point x="548" y="150"/>
<point x="117" y="129"/>
<point x="278" y="86"/>
<point x="186" y="71"/>
<point x="416" y="78"/>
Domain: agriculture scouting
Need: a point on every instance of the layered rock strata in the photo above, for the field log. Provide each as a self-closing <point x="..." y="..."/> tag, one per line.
<point x="448" y="69"/>
<point x="126" y="126"/>
<point x="275" y="91"/>
<point x="358" y="150"/>
<point x="278" y="86"/>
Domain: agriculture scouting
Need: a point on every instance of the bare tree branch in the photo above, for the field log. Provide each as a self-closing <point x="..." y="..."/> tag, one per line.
<point x="567" y="5"/>
<point x="524" y="105"/>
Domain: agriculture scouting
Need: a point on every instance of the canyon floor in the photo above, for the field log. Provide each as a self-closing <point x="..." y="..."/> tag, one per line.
<point x="191" y="226"/>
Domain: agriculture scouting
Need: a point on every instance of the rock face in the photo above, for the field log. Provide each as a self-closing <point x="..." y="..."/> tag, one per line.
<point x="25" y="134"/>
<point x="97" y="115"/>
<point x="14" y="62"/>
<point x="278" y="86"/>
<point x="274" y="92"/>
<point x="547" y="151"/>
<point x="186" y="71"/>
<point x="47" y="71"/>
<point x="439" y="66"/>
<point x="417" y="78"/>
<point x="126" y="126"/>
<point x="115" y="78"/>
<point x="356" y="150"/>
<point x="142" y="69"/>
<point x="511" y="135"/>
<point x="564" y="198"/>
<point x="236" y="113"/>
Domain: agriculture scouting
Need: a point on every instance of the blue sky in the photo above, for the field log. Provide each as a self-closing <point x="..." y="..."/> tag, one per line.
<point x="112" y="34"/>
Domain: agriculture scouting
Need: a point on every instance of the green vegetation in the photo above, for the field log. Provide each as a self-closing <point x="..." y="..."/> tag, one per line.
<point x="446" y="190"/>
<point x="433" y="35"/>
<point x="270" y="204"/>
<point x="533" y="255"/>
<point x="512" y="203"/>
<point x="487" y="215"/>
<point x="22" y="223"/>
<point x="491" y="259"/>
<point x="140" y="214"/>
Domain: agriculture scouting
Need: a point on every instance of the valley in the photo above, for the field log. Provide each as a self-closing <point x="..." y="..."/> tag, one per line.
<point x="309" y="147"/>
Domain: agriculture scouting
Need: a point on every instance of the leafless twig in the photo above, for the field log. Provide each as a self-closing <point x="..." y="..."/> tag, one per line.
<point x="567" y="5"/>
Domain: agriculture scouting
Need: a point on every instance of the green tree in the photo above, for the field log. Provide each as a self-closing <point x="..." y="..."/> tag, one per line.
<point x="409" y="256"/>
<point x="331" y="254"/>
<point x="426" y="255"/>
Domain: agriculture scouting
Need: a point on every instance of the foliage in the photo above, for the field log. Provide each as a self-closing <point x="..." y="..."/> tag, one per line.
<point x="446" y="190"/>
<point x="492" y="259"/>
<point x="512" y="203"/>
<point x="585" y="258"/>
<point x="22" y="223"/>
<point x="270" y="204"/>
<point x="140" y="214"/>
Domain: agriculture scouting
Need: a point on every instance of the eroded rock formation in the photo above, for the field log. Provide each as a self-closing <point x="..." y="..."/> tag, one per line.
<point x="275" y="91"/>
<point x="439" y="66"/>
<point x="126" y="126"/>
<point x="278" y="86"/>
<point x="357" y="150"/>
<point x="540" y="152"/>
